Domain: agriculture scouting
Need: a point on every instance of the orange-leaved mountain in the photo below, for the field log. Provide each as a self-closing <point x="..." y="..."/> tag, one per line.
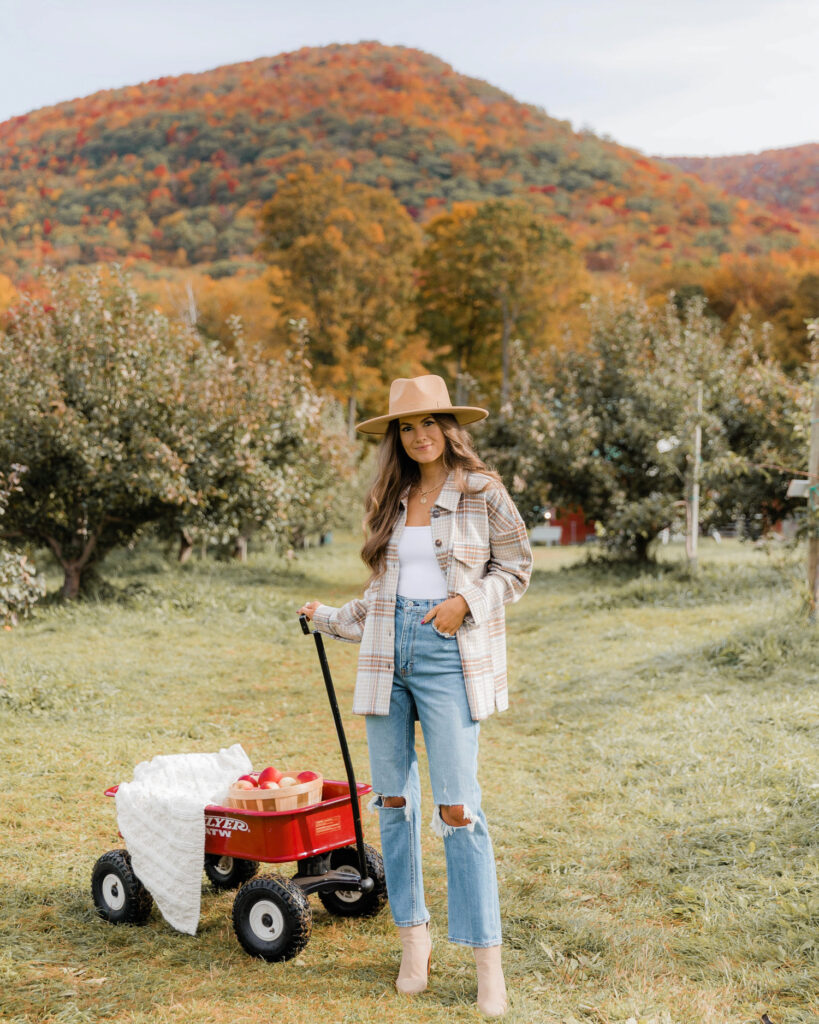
<point x="176" y="170"/>
<point x="785" y="180"/>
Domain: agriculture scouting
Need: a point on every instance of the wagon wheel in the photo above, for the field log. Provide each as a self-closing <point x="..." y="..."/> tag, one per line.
<point x="229" y="872"/>
<point x="118" y="894"/>
<point x="272" y="918"/>
<point x="352" y="903"/>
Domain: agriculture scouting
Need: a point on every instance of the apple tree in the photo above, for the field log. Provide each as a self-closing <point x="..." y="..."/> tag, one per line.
<point x="126" y="418"/>
<point x="93" y="400"/>
<point x="609" y="427"/>
<point x="20" y="586"/>
<point x="272" y="455"/>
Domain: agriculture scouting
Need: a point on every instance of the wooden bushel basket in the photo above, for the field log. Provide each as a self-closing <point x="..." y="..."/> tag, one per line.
<point x="290" y="798"/>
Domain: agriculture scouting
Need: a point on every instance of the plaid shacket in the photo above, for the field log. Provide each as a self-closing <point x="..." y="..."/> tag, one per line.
<point x="483" y="549"/>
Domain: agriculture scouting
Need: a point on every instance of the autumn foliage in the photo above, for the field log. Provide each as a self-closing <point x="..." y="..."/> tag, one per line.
<point x="176" y="170"/>
<point x="492" y="272"/>
<point x="784" y="180"/>
<point x="346" y="254"/>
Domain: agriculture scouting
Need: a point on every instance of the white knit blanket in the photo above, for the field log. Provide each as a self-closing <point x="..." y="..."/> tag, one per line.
<point x="161" y="818"/>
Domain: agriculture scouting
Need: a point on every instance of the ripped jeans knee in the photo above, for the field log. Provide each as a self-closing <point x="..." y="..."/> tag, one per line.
<point x="378" y="802"/>
<point x="458" y="816"/>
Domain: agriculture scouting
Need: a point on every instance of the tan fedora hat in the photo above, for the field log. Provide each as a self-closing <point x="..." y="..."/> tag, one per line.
<point x="413" y="396"/>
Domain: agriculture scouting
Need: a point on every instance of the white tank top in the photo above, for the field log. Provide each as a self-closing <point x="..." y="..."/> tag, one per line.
<point x="419" y="574"/>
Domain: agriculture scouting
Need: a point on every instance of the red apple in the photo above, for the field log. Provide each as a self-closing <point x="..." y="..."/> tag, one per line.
<point x="250" y="779"/>
<point x="268" y="784"/>
<point x="243" y="784"/>
<point x="307" y="776"/>
<point x="270" y="774"/>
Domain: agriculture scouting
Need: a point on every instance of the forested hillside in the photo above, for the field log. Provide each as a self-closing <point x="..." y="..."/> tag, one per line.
<point x="787" y="180"/>
<point x="176" y="170"/>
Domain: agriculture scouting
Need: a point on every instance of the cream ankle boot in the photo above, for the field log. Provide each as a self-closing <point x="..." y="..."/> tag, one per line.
<point x="415" y="960"/>
<point x="491" y="986"/>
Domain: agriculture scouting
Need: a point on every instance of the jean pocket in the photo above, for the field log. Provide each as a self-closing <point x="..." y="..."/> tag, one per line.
<point x="446" y="636"/>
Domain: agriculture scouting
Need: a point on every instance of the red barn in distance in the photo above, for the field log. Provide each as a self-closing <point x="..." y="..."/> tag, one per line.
<point x="560" y="526"/>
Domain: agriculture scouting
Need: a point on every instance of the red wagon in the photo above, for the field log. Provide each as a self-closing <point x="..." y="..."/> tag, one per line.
<point x="271" y="914"/>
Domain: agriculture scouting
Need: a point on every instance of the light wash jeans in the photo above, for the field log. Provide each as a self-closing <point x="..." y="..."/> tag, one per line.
<point x="429" y="686"/>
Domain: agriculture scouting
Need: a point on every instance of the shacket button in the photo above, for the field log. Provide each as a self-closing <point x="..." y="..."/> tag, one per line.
<point x="438" y="542"/>
<point x="435" y="513"/>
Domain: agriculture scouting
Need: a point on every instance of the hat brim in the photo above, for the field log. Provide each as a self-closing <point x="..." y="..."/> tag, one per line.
<point x="464" y="414"/>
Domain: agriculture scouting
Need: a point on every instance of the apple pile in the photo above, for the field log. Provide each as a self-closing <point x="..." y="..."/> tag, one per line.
<point x="272" y="778"/>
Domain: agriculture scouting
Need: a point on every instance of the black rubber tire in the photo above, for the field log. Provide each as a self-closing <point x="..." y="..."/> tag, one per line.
<point x="118" y="894"/>
<point x="229" y="872"/>
<point x="272" y="918"/>
<point x="343" y="903"/>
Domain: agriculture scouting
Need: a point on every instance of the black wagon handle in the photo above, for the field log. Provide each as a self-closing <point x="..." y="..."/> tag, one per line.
<point x="367" y="883"/>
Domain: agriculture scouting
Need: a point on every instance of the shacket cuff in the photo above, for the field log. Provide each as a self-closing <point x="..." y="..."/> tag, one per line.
<point x="322" y="619"/>
<point x="323" y="622"/>
<point x="472" y="594"/>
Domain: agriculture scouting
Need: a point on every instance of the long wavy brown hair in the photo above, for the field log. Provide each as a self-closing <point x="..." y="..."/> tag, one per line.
<point x="396" y="471"/>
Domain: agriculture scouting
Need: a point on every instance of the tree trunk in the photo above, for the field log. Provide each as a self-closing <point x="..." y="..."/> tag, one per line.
<point x="71" y="581"/>
<point x="73" y="570"/>
<point x="240" y="549"/>
<point x="641" y="549"/>
<point x="461" y="394"/>
<point x="185" y="547"/>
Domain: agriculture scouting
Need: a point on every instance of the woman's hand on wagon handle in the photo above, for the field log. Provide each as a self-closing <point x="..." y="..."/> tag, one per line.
<point x="448" y="615"/>
<point x="309" y="609"/>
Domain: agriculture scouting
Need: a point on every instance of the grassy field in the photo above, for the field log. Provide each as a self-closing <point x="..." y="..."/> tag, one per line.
<point x="653" y="794"/>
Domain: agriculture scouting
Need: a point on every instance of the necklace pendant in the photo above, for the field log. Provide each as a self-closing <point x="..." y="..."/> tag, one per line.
<point x="423" y="501"/>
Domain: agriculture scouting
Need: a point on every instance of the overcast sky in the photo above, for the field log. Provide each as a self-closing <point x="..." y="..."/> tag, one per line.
<point x="699" y="77"/>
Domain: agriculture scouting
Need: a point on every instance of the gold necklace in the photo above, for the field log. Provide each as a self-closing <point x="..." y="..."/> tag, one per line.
<point x="423" y="494"/>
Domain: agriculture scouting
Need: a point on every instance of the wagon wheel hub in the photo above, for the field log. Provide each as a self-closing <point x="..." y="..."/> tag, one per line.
<point x="348" y="895"/>
<point x="266" y="920"/>
<point x="113" y="892"/>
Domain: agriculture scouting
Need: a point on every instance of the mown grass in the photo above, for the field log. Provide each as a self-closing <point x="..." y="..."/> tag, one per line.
<point x="653" y="794"/>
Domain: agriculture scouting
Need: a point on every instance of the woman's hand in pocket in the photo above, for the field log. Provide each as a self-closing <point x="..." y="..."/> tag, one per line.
<point x="448" y="615"/>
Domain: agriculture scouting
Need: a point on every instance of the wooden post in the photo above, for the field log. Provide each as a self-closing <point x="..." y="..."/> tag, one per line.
<point x="813" y="503"/>
<point x="505" y="341"/>
<point x="693" y="524"/>
<point x="192" y="312"/>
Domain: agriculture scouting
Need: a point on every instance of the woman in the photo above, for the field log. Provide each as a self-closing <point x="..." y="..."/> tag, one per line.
<point x="447" y="549"/>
